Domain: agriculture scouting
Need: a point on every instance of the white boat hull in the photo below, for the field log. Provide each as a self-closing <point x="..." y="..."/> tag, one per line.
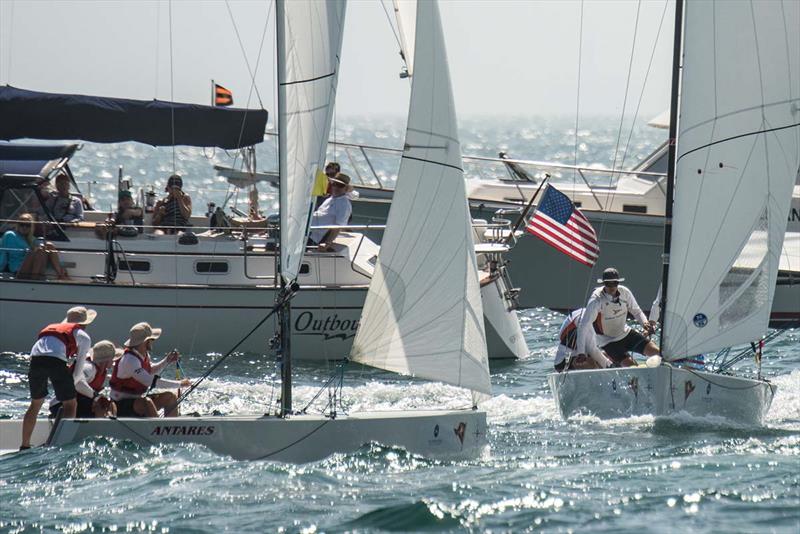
<point x="661" y="391"/>
<point x="209" y="319"/>
<point x="297" y="439"/>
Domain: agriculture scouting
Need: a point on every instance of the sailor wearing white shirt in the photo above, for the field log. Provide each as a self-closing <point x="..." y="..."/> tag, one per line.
<point x="567" y="357"/>
<point x="58" y="344"/>
<point x="334" y="211"/>
<point x="606" y="315"/>
<point x="134" y="375"/>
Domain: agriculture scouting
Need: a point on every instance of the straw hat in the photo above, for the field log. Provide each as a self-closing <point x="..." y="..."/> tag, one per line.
<point x="80" y="315"/>
<point x="142" y="332"/>
<point x="104" y="351"/>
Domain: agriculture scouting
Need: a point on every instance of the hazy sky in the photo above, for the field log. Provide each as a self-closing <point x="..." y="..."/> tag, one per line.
<point x="506" y="57"/>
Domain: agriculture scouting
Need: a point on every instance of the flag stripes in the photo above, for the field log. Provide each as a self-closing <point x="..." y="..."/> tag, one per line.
<point x="561" y="225"/>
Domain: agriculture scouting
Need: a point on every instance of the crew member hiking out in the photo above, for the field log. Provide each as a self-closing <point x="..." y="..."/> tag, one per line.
<point x="57" y="346"/>
<point x="567" y="357"/>
<point x="606" y="316"/>
<point x="134" y="375"/>
<point x="89" y="383"/>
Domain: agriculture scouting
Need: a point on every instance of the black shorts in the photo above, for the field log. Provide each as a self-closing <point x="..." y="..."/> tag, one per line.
<point x="618" y="350"/>
<point x="44" y="368"/>
<point x="125" y="408"/>
<point x="84" y="407"/>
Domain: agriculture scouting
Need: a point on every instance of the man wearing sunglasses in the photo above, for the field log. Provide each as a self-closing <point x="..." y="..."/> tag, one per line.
<point x="606" y="315"/>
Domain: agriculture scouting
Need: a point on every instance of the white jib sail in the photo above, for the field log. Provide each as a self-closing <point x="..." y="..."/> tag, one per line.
<point x="405" y="12"/>
<point x="423" y="315"/>
<point x="738" y="156"/>
<point x="309" y="45"/>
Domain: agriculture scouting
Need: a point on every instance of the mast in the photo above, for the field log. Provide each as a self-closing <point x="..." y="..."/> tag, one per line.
<point x="284" y="313"/>
<point x="671" y="162"/>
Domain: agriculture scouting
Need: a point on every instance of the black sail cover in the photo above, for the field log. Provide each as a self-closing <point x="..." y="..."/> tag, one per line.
<point x="38" y="115"/>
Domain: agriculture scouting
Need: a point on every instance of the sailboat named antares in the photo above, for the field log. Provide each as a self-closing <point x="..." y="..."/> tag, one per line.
<point x="730" y="178"/>
<point x="423" y="315"/>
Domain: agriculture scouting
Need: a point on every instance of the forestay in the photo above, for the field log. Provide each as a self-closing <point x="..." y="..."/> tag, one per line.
<point x="423" y="315"/>
<point x="405" y="12"/>
<point x="738" y="156"/>
<point x="309" y="45"/>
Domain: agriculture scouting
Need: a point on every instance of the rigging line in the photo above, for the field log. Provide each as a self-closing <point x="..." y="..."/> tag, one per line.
<point x="295" y="442"/>
<point x="578" y="99"/>
<point x="278" y="305"/>
<point x="746" y="134"/>
<point x="157" y="48"/>
<point x="396" y="37"/>
<point x="171" y="88"/>
<point x="644" y="85"/>
<point x="589" y="283"/>
<point x="241" y="47"/>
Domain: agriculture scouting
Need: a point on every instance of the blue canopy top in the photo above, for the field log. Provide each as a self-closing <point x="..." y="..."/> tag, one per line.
<point x="37" y="115"/>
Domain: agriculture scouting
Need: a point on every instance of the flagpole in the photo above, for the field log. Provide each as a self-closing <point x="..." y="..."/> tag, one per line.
<point x="527" y="209"/>
<point x="213" y="93"/>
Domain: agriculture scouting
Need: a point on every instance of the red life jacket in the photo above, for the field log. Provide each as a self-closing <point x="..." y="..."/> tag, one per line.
<point x="64" y="332"/>
<point x="130" y="385"/>
<point x="99" y="379"/>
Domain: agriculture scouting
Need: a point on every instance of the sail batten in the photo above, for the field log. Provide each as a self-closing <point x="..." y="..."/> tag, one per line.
<point x="423" y="315"/>
<point x="310" y="42"/>
<point x="738" y="158"/>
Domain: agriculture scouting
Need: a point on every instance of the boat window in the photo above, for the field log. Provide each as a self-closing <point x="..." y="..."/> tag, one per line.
<point x="305" y="268"/>
<point x="577" y="203"/>
<point x="211" y="267"/>
<point x="136" y="266"/>
<point x="633" y="208"/>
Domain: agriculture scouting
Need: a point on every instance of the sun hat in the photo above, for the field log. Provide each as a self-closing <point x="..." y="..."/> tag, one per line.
<point x="141" y="332"/>
<point x="610" y="275"/>
<point x="103" y="351"/>
<point x="80" y="315"/>
<point x="341" y="179"/>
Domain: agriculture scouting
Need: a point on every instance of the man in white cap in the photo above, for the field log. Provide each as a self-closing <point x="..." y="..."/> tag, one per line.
<point x="57" y="346"/>
<point x="606" y="315"/>
<point x="89" y="383"/>
<point x="134" y="375"/>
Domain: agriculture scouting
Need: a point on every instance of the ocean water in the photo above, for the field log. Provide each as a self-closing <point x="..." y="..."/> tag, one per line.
<point x="539" y="472"/>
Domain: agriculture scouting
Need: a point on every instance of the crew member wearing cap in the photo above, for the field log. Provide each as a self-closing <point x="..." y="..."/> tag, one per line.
<point x="127" y="213"/>
<point x="606" y="315"/>
<point x="334" y="211"/>
<point x="58" y="344"/>
<point x="63" y="206"/>
<point x="134" y="375"/>
<point x="173" y="212"/>
<point x="90" y="383"/>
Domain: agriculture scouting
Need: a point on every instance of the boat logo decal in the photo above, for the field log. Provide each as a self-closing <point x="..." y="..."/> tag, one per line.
<point x="329" y="327"/>
<point x="700" y="320"/>
<point x="436" y="431"/>
<point x="634" y="384"/>
<point x="183" y="430"/>
<point x="708" y="388"/>
<point x="460" y="430"/>
<point x="688" y="388"/>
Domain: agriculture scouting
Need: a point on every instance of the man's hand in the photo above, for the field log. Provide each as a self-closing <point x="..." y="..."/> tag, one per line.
<point x="650" y="327"/>
<point x="185" y="383"/>
<point x="324" y="247"/>
<point x="173" y="356"/>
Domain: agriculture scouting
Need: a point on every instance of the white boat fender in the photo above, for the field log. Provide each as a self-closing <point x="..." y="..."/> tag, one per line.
<point x="653" y="361"/>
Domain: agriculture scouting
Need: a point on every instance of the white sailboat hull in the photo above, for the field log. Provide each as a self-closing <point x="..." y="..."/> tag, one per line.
<point x="661" y="391"/>
<point x="446" y="434"/>
<point x="208" y="319"/>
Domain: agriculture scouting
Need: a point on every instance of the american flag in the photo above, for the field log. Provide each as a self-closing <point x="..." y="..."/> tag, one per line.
<point x="561" y="225"/>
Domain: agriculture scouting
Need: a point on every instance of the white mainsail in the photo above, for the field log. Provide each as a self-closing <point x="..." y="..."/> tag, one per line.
<point x="423" y="314"/>
<point x="405" y="12"/>
<point x="309" y="45"/>
<point x="738" y="156"/>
